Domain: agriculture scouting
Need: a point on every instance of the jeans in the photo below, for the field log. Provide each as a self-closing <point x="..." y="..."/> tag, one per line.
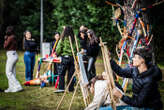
<point x="66" y="64"/>
<point x="126" y="107"/>
<point x="12" y="59"/>
<point x="91" y="70"/>
<point x="29" y="60"/>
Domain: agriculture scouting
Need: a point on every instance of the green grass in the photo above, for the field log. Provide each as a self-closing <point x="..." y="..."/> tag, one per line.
<point x="34" y="98"/>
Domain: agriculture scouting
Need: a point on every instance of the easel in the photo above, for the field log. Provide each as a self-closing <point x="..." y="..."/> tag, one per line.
<point x="109" y="73"/>
<point x="81" y="81"/>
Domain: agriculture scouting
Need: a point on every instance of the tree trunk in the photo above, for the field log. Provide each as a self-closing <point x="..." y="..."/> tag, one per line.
<point x="130" y="13"/>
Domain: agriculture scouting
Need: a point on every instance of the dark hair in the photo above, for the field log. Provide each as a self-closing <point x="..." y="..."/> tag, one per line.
<point x="56" y="33"/>
<point x="68" y="31"/>
<point x="9" y="30"/>
<point x="93" y="39"/>
<point x="94" y="79"/>
<point x="145" y="53"/>
<point x="84" y="31"/>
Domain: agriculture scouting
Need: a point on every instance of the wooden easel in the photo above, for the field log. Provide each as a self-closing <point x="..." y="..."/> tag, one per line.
<point x="109" y="73"/>
<point x="77" y="72"/>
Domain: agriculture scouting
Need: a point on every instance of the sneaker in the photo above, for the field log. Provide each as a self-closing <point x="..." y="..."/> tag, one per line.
<point x="59" y="91"/>
<point x="43" y="84"/>
<point x="17" y="90"/>
<point x="7" y="90"/>
<point x="71" y="90"/>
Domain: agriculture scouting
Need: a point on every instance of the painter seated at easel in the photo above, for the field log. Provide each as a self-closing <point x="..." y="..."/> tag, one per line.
<point x="98" y="87"/>
<point x="145" y="77"/>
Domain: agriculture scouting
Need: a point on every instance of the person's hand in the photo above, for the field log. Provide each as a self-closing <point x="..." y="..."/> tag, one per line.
<point x="109" y="55"/>
<point x="64" y="27"/>
<point x="82" y="51"/>
<point x="5" y="37"/>
<point x="117" y="93"/>
<point x="54" y="55"/>
<point x="92" y="88"/>
<point x="85" y="85"/>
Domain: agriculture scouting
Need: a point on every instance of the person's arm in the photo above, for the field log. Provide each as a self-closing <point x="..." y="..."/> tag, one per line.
<point x="123" y="72"/>
<point x="7" y="42"/>
<point x="142" y="97"/>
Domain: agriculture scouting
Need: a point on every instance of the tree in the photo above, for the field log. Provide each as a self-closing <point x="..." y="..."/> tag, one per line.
<point x="95" y="14"/>
<point x="141" y="11"/>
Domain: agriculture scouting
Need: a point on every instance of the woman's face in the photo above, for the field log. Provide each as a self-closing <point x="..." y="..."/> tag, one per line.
<point x="137" y="60"/>
<point x="89" y="35"/>
<point x="28" y="35"/>
<point x="82" y="35"/>
<point x="56" y="36"/>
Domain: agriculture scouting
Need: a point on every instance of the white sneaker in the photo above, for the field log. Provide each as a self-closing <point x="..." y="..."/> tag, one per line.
<point x="13" y="90"/>
<point x="7" y="90"/>
<point x="59" y="91"/>
<point x="17" y="90"/>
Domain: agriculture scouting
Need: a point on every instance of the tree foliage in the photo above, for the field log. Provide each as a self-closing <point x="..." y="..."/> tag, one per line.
<point x="25" y="15"/>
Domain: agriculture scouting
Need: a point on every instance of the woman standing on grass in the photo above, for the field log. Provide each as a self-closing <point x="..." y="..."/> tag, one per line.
<point x="82" y="35"/>
<point x="64" y="50"/>
<point x="92" y="52"/>
<point x="29" y="55"/>
<point x="10" y="45"/>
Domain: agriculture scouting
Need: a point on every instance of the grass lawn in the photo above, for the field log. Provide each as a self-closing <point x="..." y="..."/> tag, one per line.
<point x="35" y="98"/>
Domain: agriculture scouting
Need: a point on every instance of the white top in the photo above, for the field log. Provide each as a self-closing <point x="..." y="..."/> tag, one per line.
<point x="99" y="91"/>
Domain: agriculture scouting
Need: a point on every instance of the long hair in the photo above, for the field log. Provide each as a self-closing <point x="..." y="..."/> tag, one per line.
<point x="93" y="39"/>
<point x="24" y="34"/>
<point x="9" y="30"/>
<point x="68" y="31"/>
<point x="24" y="37"/>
